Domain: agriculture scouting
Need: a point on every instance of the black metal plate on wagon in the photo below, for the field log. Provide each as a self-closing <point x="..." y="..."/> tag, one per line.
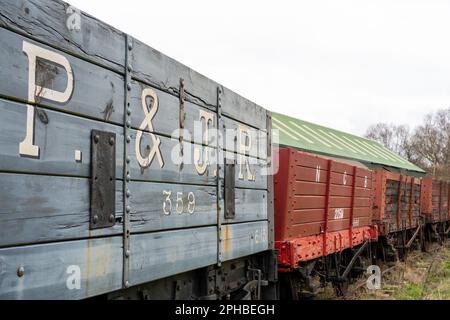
<point x="230" y="210"/>
<point x="103" y="184"/>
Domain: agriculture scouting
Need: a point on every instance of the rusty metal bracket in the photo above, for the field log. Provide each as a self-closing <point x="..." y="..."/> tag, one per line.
<point x="103" y="179"/>
<point x="230" y="169"/>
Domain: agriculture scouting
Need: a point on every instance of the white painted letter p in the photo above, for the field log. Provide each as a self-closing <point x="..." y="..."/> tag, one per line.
<point x="27" y="147"/>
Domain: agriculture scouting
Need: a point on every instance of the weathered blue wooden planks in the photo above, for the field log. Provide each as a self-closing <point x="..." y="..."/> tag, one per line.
<point x="38" y="208"/>
<point x="41" y="208"/>
<point x="47" y="20"/>
<point x="58" y="136"/>
<point x="251" y="205"/>
<point x="50" y="271"/>
<point x="243" y="139"/>
<point x="243" y="239"/>
<point x="243" y="110"/>
<point x="180" y="206"/>
<point x="97" y="92"/>
<point x="160" y="71"/>
<point x="172" y="206"/>
<point x="161" y="254"/>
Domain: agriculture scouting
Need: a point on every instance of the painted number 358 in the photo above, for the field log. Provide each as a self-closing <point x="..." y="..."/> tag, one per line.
<point x="179" y="203"/>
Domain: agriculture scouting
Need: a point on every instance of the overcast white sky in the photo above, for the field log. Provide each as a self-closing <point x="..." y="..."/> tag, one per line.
<point x="343" y="64"/>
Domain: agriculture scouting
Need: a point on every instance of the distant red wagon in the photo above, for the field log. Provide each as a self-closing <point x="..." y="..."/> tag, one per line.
<point x="397" y="201"/>
<point x="322" y="206"/>
<point x="436" y="208"/>
<point x="435" y="200"/>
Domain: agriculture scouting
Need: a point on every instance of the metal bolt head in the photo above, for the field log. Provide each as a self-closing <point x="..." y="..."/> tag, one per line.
<point x="128" y="208"/>
<point x="95" y="219"/>
<point x="128" y="111"/>
<point x="128" y="193"/>
<point x="128" y="141"/>
<point x="128" y="123"/>
<point x="130" y="68"/>
<point x="111" y="218"/>
<point x="111" y="141"/>
<point x="128" y="178"/>
<point x="130" y="45"/>
<point x="96" y="138"/>
<point x="128" y="159"/>
<point x="20" y="271"/>
<point x="129" y="86"/>
<point x="127" y="253"/>
<point x="127" y="284"/>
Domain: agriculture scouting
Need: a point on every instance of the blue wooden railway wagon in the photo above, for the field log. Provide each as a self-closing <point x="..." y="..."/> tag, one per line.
<point x="123" y="173"/>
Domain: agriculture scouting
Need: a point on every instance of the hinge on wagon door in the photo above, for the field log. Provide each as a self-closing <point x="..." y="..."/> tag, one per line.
<point x="103" y="179"/>
<point x="230" y="168"/>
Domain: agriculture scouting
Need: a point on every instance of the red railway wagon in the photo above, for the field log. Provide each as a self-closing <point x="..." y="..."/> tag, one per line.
<point x="435" y="200"/>
<point x="322" y="207"/>
<point x="435" y="206"/>
<point x="396" y="201"/>
<point x="397" y="211"/>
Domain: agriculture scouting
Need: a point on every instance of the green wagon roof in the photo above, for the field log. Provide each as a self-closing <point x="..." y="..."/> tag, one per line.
<point x="312" y="137"/>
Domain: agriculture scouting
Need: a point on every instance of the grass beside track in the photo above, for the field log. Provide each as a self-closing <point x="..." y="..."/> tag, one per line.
<point x="424" y="276"/>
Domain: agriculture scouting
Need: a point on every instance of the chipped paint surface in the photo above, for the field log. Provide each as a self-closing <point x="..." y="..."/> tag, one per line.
<point x="240" y="240"/>
<point x="292" y="251"/>
<point x="45" y="276"/>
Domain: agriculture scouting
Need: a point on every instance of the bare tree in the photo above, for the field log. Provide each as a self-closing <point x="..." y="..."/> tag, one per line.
<point x="427" y="146"/>
<point x="395" y="138"/>
<point x="431" y="143"/>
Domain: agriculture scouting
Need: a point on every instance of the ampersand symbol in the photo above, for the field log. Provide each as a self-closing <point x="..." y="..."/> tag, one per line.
<point x="147" y="123"/>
